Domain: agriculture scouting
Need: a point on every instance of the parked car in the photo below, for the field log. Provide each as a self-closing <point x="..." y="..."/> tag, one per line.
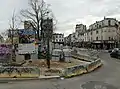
<point x="110" y="50"/>
<point x="115" y="53"/>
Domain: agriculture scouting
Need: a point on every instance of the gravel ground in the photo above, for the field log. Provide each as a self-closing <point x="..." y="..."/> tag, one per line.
<point x="56" y="67"/>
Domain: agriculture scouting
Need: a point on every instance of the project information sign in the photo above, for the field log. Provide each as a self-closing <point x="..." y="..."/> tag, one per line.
<point x="26" y="49"/>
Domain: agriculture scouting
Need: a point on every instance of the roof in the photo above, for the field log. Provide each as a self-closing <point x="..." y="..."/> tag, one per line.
<point x="103" y="20"/>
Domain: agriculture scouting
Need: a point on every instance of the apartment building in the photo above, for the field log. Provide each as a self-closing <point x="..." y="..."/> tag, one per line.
<point x="101" y="34"/>
<point x="58" y="38"/>
<point x="79" y="31"/>
<point x="67" y="40"/>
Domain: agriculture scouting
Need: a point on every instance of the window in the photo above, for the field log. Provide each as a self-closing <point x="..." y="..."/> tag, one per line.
<point x="91" y="33"/>
<point x="109" y="22"/>
<point x="59" y="36"/>
<point x="96" y="32"/>
<point x="96" y="38"/>
<point x="56" y="36"/>
<point x="95" y="25"/>
<point x="56" y="40"/>
<point x="59" y="40"/>
<point x="109" y="38"/>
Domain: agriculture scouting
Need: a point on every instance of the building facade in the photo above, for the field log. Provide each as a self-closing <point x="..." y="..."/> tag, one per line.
<point x="58" y="38"/>
<point x="67" y="40"/>
<point x="58" y="41"/>
<point x="101" y="34"/>
<point x="79" y="37"/>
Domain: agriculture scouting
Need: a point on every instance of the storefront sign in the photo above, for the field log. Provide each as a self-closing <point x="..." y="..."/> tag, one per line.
<point x="26" y="32"/>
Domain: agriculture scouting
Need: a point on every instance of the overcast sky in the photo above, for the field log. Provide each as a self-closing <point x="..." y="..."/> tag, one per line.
<point x="67" y="12"/>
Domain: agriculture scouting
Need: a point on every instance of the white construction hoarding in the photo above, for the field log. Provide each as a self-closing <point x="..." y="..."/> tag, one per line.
<point x="26" y="49"/>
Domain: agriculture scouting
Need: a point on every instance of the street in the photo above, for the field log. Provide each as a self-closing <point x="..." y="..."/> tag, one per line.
<point x="108" y="74"/>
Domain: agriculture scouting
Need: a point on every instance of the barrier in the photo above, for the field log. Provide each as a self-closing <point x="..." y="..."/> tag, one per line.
<point x="94" y="62"/>
<point x="81" y="58"/>
<point x="77" y="70"/>
<point x="73" y="71"/>
<point x="92" y="66"/>
<point x="19" y="72"/>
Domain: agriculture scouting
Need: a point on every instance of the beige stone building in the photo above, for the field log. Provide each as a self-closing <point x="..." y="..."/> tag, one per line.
<point x="102" y="34"/>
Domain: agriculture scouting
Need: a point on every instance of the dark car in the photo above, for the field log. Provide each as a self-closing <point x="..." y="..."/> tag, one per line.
<point x="115" y="53"/>
<point x="110" y="50"/>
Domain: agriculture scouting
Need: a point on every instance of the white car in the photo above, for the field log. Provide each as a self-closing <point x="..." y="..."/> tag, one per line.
<point x="115" y="49"/>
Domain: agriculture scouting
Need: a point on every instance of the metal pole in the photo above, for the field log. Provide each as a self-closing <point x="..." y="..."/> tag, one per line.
<point x="48" y="44"/>
<point x="11" y="31"/>
<point x="13" y="48"/>
<point x="48" y="53"/>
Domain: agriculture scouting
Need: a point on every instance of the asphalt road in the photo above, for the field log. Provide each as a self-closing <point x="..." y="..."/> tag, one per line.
<point x="106" y="77"/>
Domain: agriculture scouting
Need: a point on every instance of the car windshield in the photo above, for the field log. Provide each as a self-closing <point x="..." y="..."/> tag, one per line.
<point x="60" y="44"/>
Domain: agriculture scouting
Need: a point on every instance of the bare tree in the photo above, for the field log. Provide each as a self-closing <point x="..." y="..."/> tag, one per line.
<point x="12" y="29"/>
<point x="37" y="12"/>
<point x="13" y="25"/>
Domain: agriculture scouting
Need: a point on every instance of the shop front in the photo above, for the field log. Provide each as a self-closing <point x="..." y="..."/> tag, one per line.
<point x="104" y="44"/>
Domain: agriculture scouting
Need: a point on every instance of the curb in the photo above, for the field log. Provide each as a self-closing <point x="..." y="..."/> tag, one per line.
<point x="7" y="80"/>
<point x="67" y="77"/>
<point x="76" y="57"/>
<point x="13" y="80"/>
<point x="49" y="78"/>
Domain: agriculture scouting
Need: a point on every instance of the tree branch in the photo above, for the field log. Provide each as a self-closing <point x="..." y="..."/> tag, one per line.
<point x="28" y="15"/>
